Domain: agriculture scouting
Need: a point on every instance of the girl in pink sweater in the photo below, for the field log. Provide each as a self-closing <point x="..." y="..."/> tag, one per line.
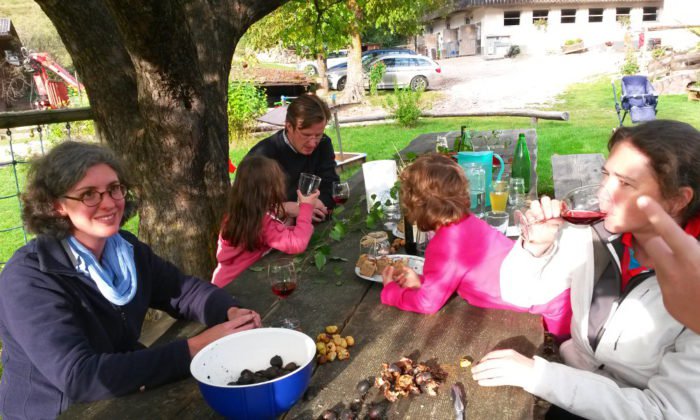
<point x="464" y="256"/>
<point x="254" y="222"/>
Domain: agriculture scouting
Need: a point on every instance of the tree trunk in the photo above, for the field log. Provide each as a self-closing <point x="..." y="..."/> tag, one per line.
<point x="354" y="85"/>
<point x="321" y="64"/>
<point x="156" y="74"/>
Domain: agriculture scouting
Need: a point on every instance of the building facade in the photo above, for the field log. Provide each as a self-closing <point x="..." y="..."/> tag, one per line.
<point x="490" y="27"/>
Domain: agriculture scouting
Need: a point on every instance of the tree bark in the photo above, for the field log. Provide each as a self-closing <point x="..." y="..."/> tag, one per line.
<point x="321" y="64"/>
<point x="354" y="85"/>
<point x="156" y="74"/>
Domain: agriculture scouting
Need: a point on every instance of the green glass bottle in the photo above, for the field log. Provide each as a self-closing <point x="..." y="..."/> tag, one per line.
<point x="466" y="143"/>
<point x="521" y="162"/>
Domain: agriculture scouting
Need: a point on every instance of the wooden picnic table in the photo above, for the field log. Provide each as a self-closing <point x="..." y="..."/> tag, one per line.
<point x="336" y="296"/>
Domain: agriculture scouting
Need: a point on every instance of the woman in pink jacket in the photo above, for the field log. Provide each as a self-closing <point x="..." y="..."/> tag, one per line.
<point x="255" y="221"/>
<point x="464" y="256"/>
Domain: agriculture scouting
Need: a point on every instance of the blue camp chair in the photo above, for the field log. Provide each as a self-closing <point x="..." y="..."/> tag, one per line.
<point x="637" y="98"/>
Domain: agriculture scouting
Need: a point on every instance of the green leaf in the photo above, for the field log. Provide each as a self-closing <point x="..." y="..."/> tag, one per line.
<point x="256" y="268"/>
<point x="338" y="232"/>
<point x="372" y="220"/>
<point x="411" y="156"/>
<point x="319" y="260"/>
<point x="324" y="249"/>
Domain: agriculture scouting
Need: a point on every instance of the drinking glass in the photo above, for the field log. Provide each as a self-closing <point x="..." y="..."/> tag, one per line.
<point x="516" y="193"/>
<point x="391" y="215"/>
<point x="580" y="206"/>
<point x="341" y="192"/>
<point x="308" y="183"/>
<point x="477" y="187"/>
<point x="499" y="196"/>
<point x="441" y="145"/>
<point x="283" y="281"/>
<point x="498" y="220"/>
<point x="422" y="239"/>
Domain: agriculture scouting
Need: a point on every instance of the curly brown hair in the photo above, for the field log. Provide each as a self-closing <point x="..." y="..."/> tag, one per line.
<point x="51" y="176"/>
<point x="434" y="192"/>
<point x="259" y="188"/>
<point x="673" y="149"/>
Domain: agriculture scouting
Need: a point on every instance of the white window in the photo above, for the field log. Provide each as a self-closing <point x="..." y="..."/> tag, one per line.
<point x="511" y="18"/>
<point x="649" y="14"/>
<point x="622" y="14"/>
<point x="540" y="15"/>
<point x="595" y="15"/>
<point x="568" y="16"/>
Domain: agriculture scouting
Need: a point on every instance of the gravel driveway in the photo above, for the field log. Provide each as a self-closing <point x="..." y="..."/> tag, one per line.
<point x="476" y="83"/>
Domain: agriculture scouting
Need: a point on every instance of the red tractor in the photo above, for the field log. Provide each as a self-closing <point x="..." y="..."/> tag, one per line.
<point x="50" y="94"/>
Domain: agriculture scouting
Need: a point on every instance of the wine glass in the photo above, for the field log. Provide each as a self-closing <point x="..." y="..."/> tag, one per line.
<point x="341" y="192"/>
<point x="580" y="206"/>
<point x="308" y="183"/>
<point x="283" y="282"/>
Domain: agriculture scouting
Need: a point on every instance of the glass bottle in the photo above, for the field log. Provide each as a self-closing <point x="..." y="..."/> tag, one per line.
<point x="410" y="246"/>
<point x="521" y="162"/>
<point x="466" y="143"/>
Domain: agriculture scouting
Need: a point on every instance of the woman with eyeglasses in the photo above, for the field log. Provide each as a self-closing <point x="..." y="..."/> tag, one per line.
<point x="72" y="301"/>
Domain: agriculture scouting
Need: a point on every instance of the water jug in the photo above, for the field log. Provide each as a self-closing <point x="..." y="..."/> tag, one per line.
<point x="485" y="159"/>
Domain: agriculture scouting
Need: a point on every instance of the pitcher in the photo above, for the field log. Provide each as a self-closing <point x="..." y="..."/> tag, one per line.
<point x="485" y="159"/>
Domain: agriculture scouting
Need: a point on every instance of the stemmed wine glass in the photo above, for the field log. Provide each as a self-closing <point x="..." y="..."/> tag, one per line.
<point x="341" y="192"/>
<point x="283" y="281"/>
<point x="580" y="206"/>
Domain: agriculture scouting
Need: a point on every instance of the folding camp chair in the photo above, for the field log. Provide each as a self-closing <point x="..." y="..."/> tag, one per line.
<point x="637" y="98"/>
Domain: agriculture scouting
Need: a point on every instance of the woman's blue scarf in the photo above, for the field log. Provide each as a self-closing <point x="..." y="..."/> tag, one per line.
<point x="115" y="275"/>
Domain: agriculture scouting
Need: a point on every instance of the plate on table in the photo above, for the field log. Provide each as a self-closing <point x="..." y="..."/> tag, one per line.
<point x="416" y="263"/>
<point x="397" y="233"/>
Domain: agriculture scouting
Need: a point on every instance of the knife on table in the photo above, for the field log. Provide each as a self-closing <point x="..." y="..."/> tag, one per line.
<point x="457" y="402"/>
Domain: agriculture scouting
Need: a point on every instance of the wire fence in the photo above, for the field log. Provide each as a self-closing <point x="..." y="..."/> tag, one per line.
<point x="13" y="164"/>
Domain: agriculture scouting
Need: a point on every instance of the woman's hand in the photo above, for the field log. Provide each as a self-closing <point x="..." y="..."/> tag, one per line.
<point x="239" y="319"/>
<point x="675" y="256"/>
<point x="543" y="222"/>
<point x="406" y="277"/>
<point x="504" y="367"/>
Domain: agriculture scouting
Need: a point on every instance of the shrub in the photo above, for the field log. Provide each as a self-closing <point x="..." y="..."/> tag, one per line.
<point x="405" y="105"/>
<point x="658" y="52"/>
<point x="375" y="76"/>
<point x="245" y="103"/>
<point x="573" y="41"/>
<point x="630" y="66"/>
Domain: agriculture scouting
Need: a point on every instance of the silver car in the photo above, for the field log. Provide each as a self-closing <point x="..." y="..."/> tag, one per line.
<point x="416" y="71"/>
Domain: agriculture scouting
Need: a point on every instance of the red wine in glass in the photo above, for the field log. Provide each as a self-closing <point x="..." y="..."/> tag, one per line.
<point x="339" y="199"/>
<point x="341" y="192"/>
<point x="283" y="288"/>
<point x="582" y="217"/>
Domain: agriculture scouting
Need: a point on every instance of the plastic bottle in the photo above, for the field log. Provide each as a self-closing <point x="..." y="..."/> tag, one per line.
<point x="521" y="162"/>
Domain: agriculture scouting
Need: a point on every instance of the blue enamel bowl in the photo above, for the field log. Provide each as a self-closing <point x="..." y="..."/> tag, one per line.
<point x="223" y="360"/>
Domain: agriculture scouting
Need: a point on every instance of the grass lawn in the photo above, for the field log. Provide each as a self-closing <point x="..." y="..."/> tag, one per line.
<point x="590" y="105"/>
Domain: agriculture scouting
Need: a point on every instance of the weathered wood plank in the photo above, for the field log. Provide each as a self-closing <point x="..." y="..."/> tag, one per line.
<point x="385" y="334"/>
<point x="577" y="170"/>
<point x="32" y="118"/>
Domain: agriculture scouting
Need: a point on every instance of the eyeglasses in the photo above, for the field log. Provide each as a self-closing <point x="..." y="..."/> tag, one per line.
<point x="92" y="198"/>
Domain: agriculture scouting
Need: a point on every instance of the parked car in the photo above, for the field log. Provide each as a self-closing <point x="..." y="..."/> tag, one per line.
<point x="370" y="55"/>
<point x="416" y="71"/>
<point x="310" y="67"/>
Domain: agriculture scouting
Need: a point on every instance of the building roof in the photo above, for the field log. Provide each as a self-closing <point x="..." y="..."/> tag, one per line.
<point x="461" y="4"/>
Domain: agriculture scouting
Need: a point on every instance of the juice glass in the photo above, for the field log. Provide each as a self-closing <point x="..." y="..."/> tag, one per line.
<point x="499" y="196"/>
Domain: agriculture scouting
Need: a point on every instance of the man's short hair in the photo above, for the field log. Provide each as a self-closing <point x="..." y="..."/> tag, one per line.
<point x="306" y="111"/>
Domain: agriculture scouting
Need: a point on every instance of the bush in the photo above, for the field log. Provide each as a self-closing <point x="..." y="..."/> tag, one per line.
<point x="375" y="76"/>
<point x="245" y="103"/>
<point x="630" y="66"/>
<point x="405" y="105"/>
<point x="572" y="41"/>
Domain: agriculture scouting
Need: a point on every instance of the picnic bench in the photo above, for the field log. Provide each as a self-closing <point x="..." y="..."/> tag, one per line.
<point x="336" y="296"/>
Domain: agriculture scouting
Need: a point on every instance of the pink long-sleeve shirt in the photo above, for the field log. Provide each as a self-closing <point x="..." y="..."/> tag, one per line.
<point x="233" y="260"/>
<point x="466" y="257"/>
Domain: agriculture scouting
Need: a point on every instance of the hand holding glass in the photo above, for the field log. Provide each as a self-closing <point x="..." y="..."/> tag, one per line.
<point x="308" y="183"/>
